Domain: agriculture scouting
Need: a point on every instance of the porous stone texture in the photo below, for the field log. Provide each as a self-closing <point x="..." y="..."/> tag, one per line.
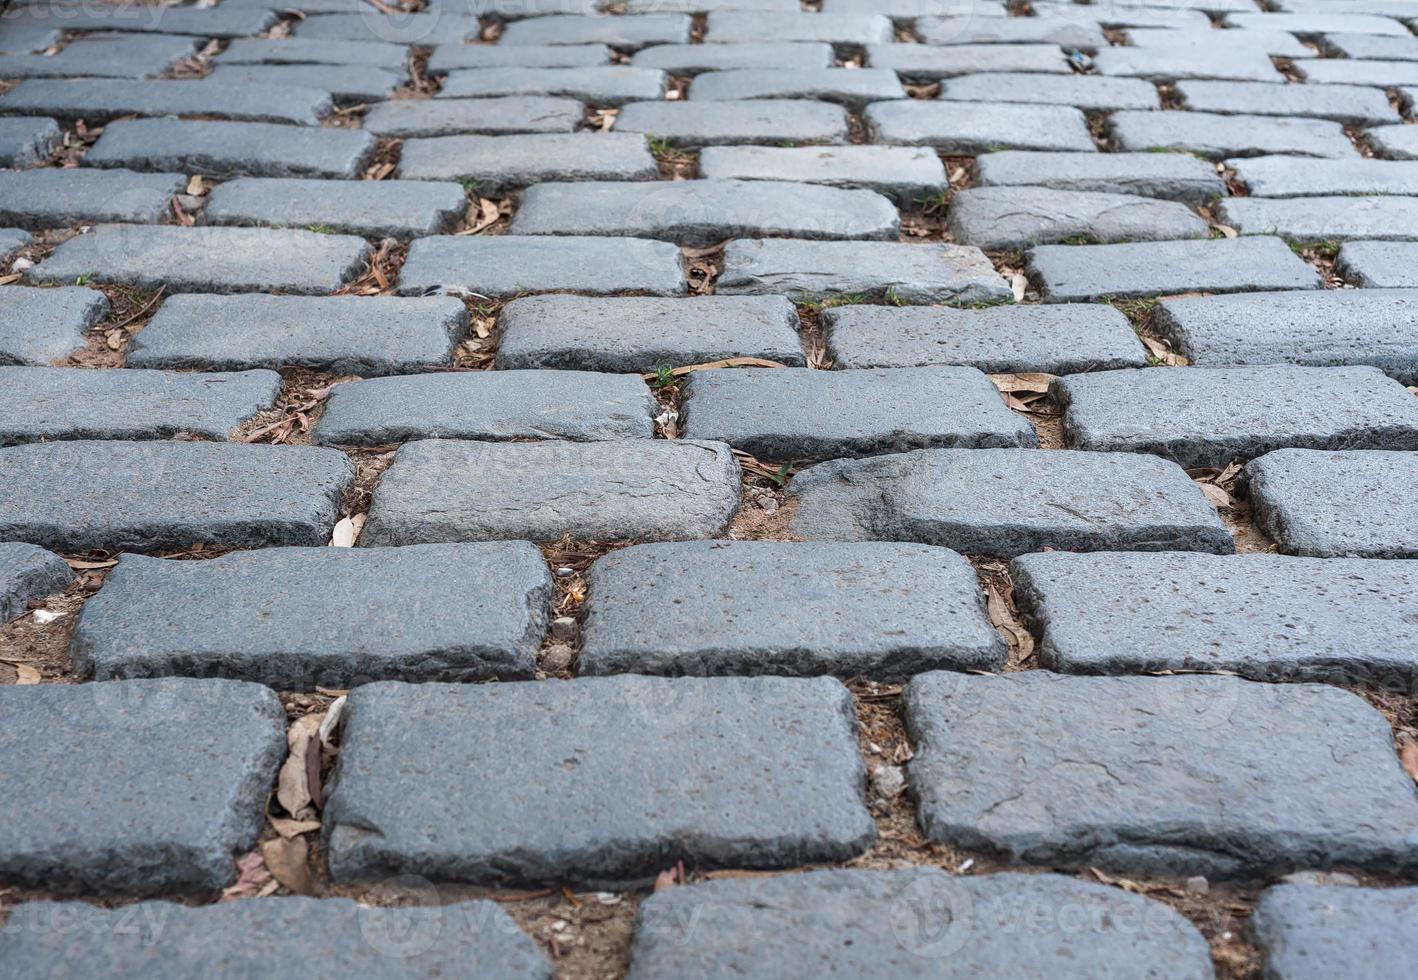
<point x="509" y="265"/>
<point x="101" y="99"/>
<point x="491" y="117"/>
<point x="1092" y="92"/>
<point x="1357" y="105"/>
<point x="1218" y="136"/>
<point x="644" y="772"/>
<point x="1285" y="176"/>
<point x="966" y="28"/>
<point x="302" y="51"/>
<point x="426" y="27"/>
<point x="907" y="175"/>
<point x="451" y="57"/>
<point x="1393" y="142"/>
<point x="28" y="573"/>
<point x="41" y="326"/>
<point x="1009" y="218"/>
<point x="727" y="26"/>
<point x="610" y="85"/>
<point x="1178" y="782"/>
<point x="634" y="489"/>
<point x="231" y="149"/>
<point x="369" y="208"/>
<point x="1188" y="61"/>
<point x="115" y="55"/>
<point x="1374" y="47"/>
<point x="298" y="618"/>
<point x="1342" y="71"/>
<point x="1323" y="218"/>
<point x="768" y="607"/>
<point x="929" y="63"/>
<point x="971" y="128"/>
<point x="1336" y="504"/>
<point x="12" y="240"/>
<point x="498" y="164"/>
<point x="1306" y="932"/>
<point x="25" y="142"/>
<point x="1380" y="265"/>
<point x="233" y="21"/>
<point x="157" y="496"/>
<point x="148" y="787"/>
<point x="345" y="83"/>
<point x="52" y="198"/>
<point x="774" y="122"/>
<point x="851" y="87"/>
<point x="1311" y="23"/>
<point x="692" y="59"/>
<point x="624" y="33"/>
<point x="1275" y="43"/>
<point x="1005" y="502"/>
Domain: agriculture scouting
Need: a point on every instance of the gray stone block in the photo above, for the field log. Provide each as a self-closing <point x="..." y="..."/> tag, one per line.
<point x="152" y="787"/>
<point x="369" y="208"/>
<point x="18" y="37"/>
<point x="493" y="117"/>
<point x="644" y="771"/>
<point x="160" y="496"/>
<point x="298" y="618"/>
<point x="1284" y="176"/>
<point x="345" y="83"/>
<point x="1310" y="24"/>
<point x="970" y="128"/>
<point x="364" y="335"/>
<point x="1352" y="104"/>
<point x="881" y="610"/>
<point x="491" y="405"/>
<point x="452" y="57"/>
<point x="1182" y="779"/>
<point x="1373" y="47"/>
<point x="1188" y="61"/>
<point x="28" y="573"/>
<point x="1336" y="504"/>
<point x="116" y="55"/>
<point x="898" y="271"/>
<point x="691" y="59"/>
<point x="27" y="142"/>
<point x="707" y="6"/>
<point x="48" y="197"/>
<point x="776" y="122"/>
<point x="233" y="21"/>
<point x="1381" y="264"/>
<point x="1306" y="932"/>
<point x="304" y="51"/>
<point x="907" y="10"/>
<point x="1084" y="91"/>
<point x="1275" y="43"/>
<point x="625" y="33"/>
<point x="1312" y="219"/>
<point x="41" y="326"/>
<point x="851" y="87"/>
<point x="734" y="26"/>
<point x="1005" y="502"/>
<point x="1394" y="142"/>
<point x="424" y="28"/>
<point x="1267" y="617"/>
<point x="12" y="240"/>
<point x="966" y="28"/>
<point x="1175" y="176"/>
<point x="1011" y="218"/>
<point x="702" y="212"/>
<point x="207" y="260"/>
<point x="929" y="63"/>
<point x="498" y="164"/>
<point x="1069" y="273"/>
<point x="907" y="175"/>
<point x="610" y="85"/>
<point x="102" y="99"/>
<point x="630" y="334"/>
<point x="231" y="149"/>
<point x="1218" y="136"/>
<point x="510" y="265"/>
<point x="43" y="403"/>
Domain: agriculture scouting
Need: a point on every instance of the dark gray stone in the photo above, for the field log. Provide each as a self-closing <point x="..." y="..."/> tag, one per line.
<point x="1284" y="176"/>
<point x="1216" y="136"/>
<point x="886" y="611"/>
<point x="452" y="57"/>
<point x="48" y="197"/>
<point x="494" y="117"/>
<point x="28" y="573"/>
<point x="733" y="26"/>
<point x="775" y="122"/>
<point x="691" y="59"/>
<point x="929" y="63"/>
<point x="18" y="37"/>
<point x="233" y="21"/>
<point x="1188" y="61"/>
<point x="231" y="149"/>
<point x="303" y="51"/>
<point x="498" y="164"/>
<point x="966" y="28"/>
<point x="1066" y="273"/>
<point x="1380" y="264"/>
<point x="26" y="142"/>
<point x="632" y="489"/>
<point x="1084" y="91"/>
<point x="43" y="403"/>
<point x="1345" y="103"/>
<point x="1394" y="142"/>
<point x="1307" y="932"/>
<point x="1175" y="176"/>
<point x="424" y="28"/>
<point x="149" y="787"/>
<point x="643" y="771"/>
<point x="644" y="334"/>
<point x="625" y="33"/>
<point x="160" y="496"/>
<point x="346" y="83"/>
<point x="101" y="99"/>
<point x="908" y="175"/>
<point x="117" y="55"/>
<point x="12" y="240"/>
<point x="1312" y="219"/>
<point x="851" y="87"/>
<point x="298" y="618"/>
<point x="364" y="335"/>
<point x="1010" y="218"/>
<point x="41" y="326"/>
<point x="1336" y="504"/>
<point x="970" y="128"/>
<point x="610" y="85"/>
<point x="509" y="265"/>
<point x="1182" y="778"/>
<point x="1005" y="502"/>
<point x="370" y="208"/>
<point x="1373" y="47"/>
<point x="898" y="271"/>
<point x="491" y="405"/>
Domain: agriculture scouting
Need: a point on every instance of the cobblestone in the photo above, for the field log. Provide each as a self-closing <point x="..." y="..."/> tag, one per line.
<point x="1175" y="176"/>
<point x="117" y="56"/>
<point x="1380" y="264"/>
<point x="345" y="83"/>
<point x="854" y="88"/>
<point x="27" y="142"/>
<point x="28" y="573"/>
<point x="736" y="26"/>
<point x="41" y="326"/>
<point x="1393" y="142"/>
<point x="961" y="128"/>
<point x="610" y="85"/>
<point x="1188" y="61"/>
<point x="369" y="208"/>
<point x="907" y="175"/>
<point x="509" y="265"/>
<point x="1282" y="176"/>
<point x="1309" y="931"/>
<point x="98" y="100"/>
<point x="451" y="57"/>
<point x="1344" y="103"/>
<point x="49" y="198"/>
<point x="1084" y="91"/>
<point x="300" y="51"/>
<point x="231" y="149"/>
<point x="692" y="59"/>
<point x="774" y="122"/>
<point x="1019" y="217"/>
<point x="491" y="117"/>
<point x="498" y="164"/>
<point x="1311" y="219"/>
<point x="926" y="63"/>
<point x="1219" y="136"/>
<point x="625" y="33"/>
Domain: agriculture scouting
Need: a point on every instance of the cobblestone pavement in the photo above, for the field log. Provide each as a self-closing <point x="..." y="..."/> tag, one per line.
<point x="675" y="488"/>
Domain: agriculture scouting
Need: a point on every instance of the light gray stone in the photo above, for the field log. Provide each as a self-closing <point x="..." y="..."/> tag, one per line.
<point x="908" y="10"/>
<point x="12" y="240"/>
<point x="305" y="51"/>
<point x="970" y="128"/>
<point x="497" y="164"/>
<point x="707" y="6"/>
<point x="907" y="175"/>
<point x="610" y="85"/>
<point x="370" y="208"/>
<point x="17" y="37"/>
<point x="1219" y="136"/>
<point x="49" y="197"/>
<point x="777" y="122"/>
<point x="493" y="117"/>
<point x="234" y="21"/>
<point x="1276" y="44"/>
<point x="28" y="573"/>
<point x="1186" y="61"/>
<point x="625" y="33"/>
<point x="1285" y="176"/>
<point x="1373" y="47"/>
<point x="429" y="27"/>
<point x="966" y="28"/>
<point x="1084" y="91"/>
<point x="851" y="87"/>
<point x="1306" y="932"/>
<point x="1175" y="176"/>
<point x="1342" y="71"/>
<point x="1178" y="781"/>
<point x="645" y="771"/>
<point x="41" y="326"/>
<point x="1381" y="264"/>
<point x="1005" y="502"/>
<point x="117" y="55"/>
<point x="231" y="149"/>
<point x="691" y="59"/>
<point x="1352" y="104"/>
<point x="509" y="265"/>
<point x="102" y="99"/>
<point x="157" y="496"/>
<point x="1011" y="218"/>
<point x="451" y="57"/>
<point x="1394" y="142"/>
<point x="26" y="142"/>
<point x="929" y="63"/>
<point x="345" y="83"/>
<point x="1311" y="219"/>
<point x="732" y="26"/>
<point x="1310" y="24"/>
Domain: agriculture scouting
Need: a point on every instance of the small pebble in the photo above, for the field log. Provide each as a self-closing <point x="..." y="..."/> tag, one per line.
<point x="557" y="657"/>
<point x="564" y="628"/>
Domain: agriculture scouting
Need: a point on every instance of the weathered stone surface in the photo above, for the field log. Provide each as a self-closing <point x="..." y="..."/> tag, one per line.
<point x="1393" y="142"/>
<point x="702" y="212"/>
<point x="306" y="935"/>
<point x="768" y="607"/>
<point x="1018" y="217"/>
<point x="12" y="240"/>
<point x="1308" y="24"/>
<point x="1306" y="932"/>
<point x="1285" y="176"/>
<point x="25" y="142"/>
<point x="969" y="128"/>
<point x="1066" y="273"/>
<point x="849" y="923"/>
<point x="1336" y="504"/>
<point x="899" y="272"/>
<point x="231" y="149"/>
<point x="707" y="6"/>
<point x="1276" y="44"/>
<point x="101" y="99"/>
<point x="305" y="51"/>
<point x="491" y="405"/>
<point x="1319" y="328"/>
<point x="233" y="21"/>
<point x="117" y="55"/>
<point x="928" y="63"/>
<point x="966" y="28"/>
<point x="149" y="787"/>
<point x="625" y="33"/>
<point x="157" y="496"/>
<point x="610" y="85"/>
<point x="1218" y="136"/>
<point x="18" y="37"/>
<point x="498" y="164"/>
<point x="1175" y="176"/>
<point x="900" y="10"/>
<point x="1083" y="91"/>
<point x="426" y="27"/>
<point x="40" y="326"/>
<point x="297" y="618"/>
<point x="629" y="334"/>
<point x="1179" y="781"/>
<point x="800" y="414"/>
<point x="772" y="121"/>
<point x="691" y="59"/>
<point x="907" y="175"/>
<point x="345" y="83"/>
<point x="42" y="403"/>
<point x="370" y="208"/>
<point x="1380" y="264"/>
<point x="207" y="260"/>
<point x="634" y="489"/>
<point x="48" y="197"/>
<point x="28" y="573"/>
<point x="730" y="26"/>
<point x="452" y="57"/>
<point x="851" y="87"/>
<point x="1373" y="47"/>
<point x="1266" y="617"/>
<point x="493" y="117"/>
<point x="1311" y="219"/>
<point x="1006" y="502"/>
<point x="506" y="265"/>
<point x="1345" y="103"/>
<point x="1188" y="61"/>
<point x="645" y="771"/>
<point x="365" y="335"/>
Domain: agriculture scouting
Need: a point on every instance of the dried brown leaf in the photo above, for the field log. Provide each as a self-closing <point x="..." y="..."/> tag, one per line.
<point x="286" y="859"/>
<point x="293" y="785"/>
<point x="1217" y="496"/>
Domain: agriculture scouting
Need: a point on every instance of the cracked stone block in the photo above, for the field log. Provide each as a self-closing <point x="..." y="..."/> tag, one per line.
<point x="1381" y="264"/>
<point x="1373" y="47"/>
<point x="907" y="175"/>
<point x="739" y="772"/>
<point x="1005" y="502"/>
<point x="1352" y="104"/>
<point x="369" y="208"/>
<point x="1276" y="44"/>
<point x="927" y="63"/>
<point x="628" y="33"/>
<point x="1010" y="218"/>
<point x="732" y="26"/>
<point x="1188" y="61"/>
<point x="632" y="489"/>
<point x="969" y="29"/>
<point x="232" y="149"/>
<point x="28" y="573"/>
<point x="152" y="787"/>
<point x="298" y="618"/>
<point x="611" y="85"/>
<point x="641" y="334"/>
<point x="692" y="59"/>
<point x="509" y="265"/>
<point x="1182" y="780"/>
<point x="851" y="87"/>
<point x="498" y="164"/>
<point x="491" y="117"/>
<point x="102" y="99"/>
<point x="1393" y="142"/>
<point x="345" y="83"/>
<point x="41" y="326"/>
<point x="49" y="197"/>
<point x="1311" y="219"/>
<point x="157" y="496"/>
<point x="1218" y="136"/>
<point x="1310" y="24"/>
<point x="118" y="56"/>
<point x="1284" y="176"/>
<point x="776" y="122"/>
<point x="797" y="609"/>
<point x="1336" y="504"/>
<point x="1342" y="71"/>
<point x="970" y="128"/>
<point x="1173" y="176"/>
<point x="1083" y="91"/>
<point x="452" y="57"/>
<point x="27" y="142"/>
<point x="424" y="28"/>
<point x="1306" y="932"/>
<point x="304" y="51"/>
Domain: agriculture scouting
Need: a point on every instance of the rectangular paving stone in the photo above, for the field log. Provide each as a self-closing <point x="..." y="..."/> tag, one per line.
<point x="1265" y="617"/>
<point x="733" y="26"/>
<point x="451" y="57"/>
<point x="776" y="122"/>
<point x="371" y="208"/>
<point x="498" y="164"/>
<point x="1355" y="104"/>
<point x="1379" y="264"/>
<point x="1175" y="176"/>
<point x="628" y="33"/>
<point x="611" y="85"/>
<point x="692" y="59"/>
<point x="1336" y="504"/>
<point x="851" y="87"/>
<point x="490" y="405"/>
<point x="130" y="811"/>
<point x="1072" y="273"/>
<point x="707" y="6"/>
<point x="1311" y="931"/>
<point x="1393" y="142"/>
<point x="1219" y="136"/>
<point x="1284" y="176"/>
<point x="1373" y="47"/>
<point x="304" y="51"/>
<point x="52" y="198"/>
<point x="1119" y="14"/>
<point x="908" y="10"/>
<point x="1005" y="502"/>
<point x="205" y="259"/>
<point x="102" y="99"/>
<point x="27" y="142"/>
<point x="426" y="27"/>
<point x="1018" y="217"/>
<point x="297" y="618"/>
<point x="20" y="37"/>
<point x="969" y="128"/>
<point x="345" y="83"/>
<point x="1084" y="91"/>
<point x="233" y="21"/>
<point x="747" y="772"/>
<point x="494" y="117"/>
<point x="642" y="334"/>
<point x="1178" y="782"/>
<point x="1276" y="44"/>
<point x="28" y="573"/>
<point x="159" y="496"/>
<point x="1342" y="71"/>
<point x="1309" y="24"/>
<point x="702" y="212"/>
<point x="1186" y="61"/>
<point x="966" y="28"/>
<point x="1323" y="218"/>
<point x="116" y="55"/>
<point x="12" y="240"/>
<point x="231" y="149"/>
<point x="907" y="175"/>
<point x="929" y="63"/>
<point x="364" y="335"/>
<point x="41" y="326"/>
<point x="509" y="265"/>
